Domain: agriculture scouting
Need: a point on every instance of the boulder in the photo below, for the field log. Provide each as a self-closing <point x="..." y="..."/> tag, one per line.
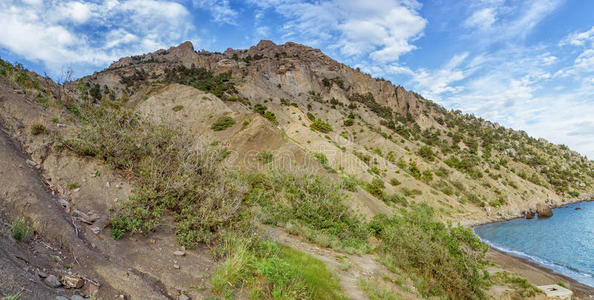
<point x="52" y="281"/>
<point x="544" y="211"/>
<point x="529" y="214"/>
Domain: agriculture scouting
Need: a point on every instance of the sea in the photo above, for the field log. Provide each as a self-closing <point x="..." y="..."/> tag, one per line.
<point x="563" y="242"/>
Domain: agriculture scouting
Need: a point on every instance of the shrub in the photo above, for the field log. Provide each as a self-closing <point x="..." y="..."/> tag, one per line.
<point x="222" y="123"/>
<point x="37" y="129"/>
<point x="313" y="203"/>
<point x="394" y="182"/>
<point x="321" y="126"/>
<point x="376" y="188"/>
<point x="448" y="260"/>
<point x="265" y="157"/>
<point x="20" y="228"/>
<point x="218" y="85"/>
<point x="177" y="108"/>
<point x="72" y="185"/>
<point x="169" y="175"/>
<point x="426" y="152"/>
<point x="349" y="122"/>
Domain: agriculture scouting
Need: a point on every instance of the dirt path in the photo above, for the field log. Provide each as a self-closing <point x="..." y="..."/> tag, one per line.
<point x="359" y="266"/>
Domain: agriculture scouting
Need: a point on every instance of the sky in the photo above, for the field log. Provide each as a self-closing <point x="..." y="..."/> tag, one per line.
<point x="526" y="64"/>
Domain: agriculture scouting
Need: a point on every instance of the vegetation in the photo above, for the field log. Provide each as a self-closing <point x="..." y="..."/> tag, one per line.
<point x="37" y="129"/>
<point x="222" y="123"/>
<point x="169" y="176"/>
<point x="269" y="270"/>
<point x="521" y="286"/>
<point x="265" y="157"/>
<point x="446" y="260"/>
<point x="219" y="85"/>
<point x="21" y="228"/>
<point x="375" y="292"/>
<point x="311" y="206"/>
<point x="321" y="126"/>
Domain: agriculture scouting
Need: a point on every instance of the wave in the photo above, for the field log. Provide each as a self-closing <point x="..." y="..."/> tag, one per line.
<point x="569" y="271"/>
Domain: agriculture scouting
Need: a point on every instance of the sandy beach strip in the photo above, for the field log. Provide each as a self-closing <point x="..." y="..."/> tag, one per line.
<point x="537" y="274"/>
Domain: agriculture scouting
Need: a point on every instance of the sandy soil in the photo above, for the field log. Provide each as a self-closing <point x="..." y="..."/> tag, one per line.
<point x="537" y="274"/>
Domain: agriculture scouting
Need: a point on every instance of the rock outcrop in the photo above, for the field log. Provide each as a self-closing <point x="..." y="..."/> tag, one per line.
<point x="544" y="211"/>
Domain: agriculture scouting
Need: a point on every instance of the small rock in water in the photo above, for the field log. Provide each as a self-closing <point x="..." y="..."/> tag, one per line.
<point x="179" y="253"/>
<point x="61" y="298"/>
<point x="544" y="211"/>
<point x="578" y="208"/>
<point x="52" y="281"/>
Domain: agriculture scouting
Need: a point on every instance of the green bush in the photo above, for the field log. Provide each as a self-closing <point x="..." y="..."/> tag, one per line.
<point x="20" y="229"/>
<point x="448" y="260"/>
<point x="349" y="122"/>
<point x="177" y="108"/>
<point x="37" y="129"/>
<point x="222" y="123"/>
<point x="321" y="126"/>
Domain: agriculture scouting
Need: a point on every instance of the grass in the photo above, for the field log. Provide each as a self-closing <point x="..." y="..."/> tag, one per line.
<point x="20" y="229"/>
<point x="222" y="123"/>
<point x="16" y="296"/>
<point x="309" y="205"/>
<point x="520" y="285"/>
<point x="73" y="185"/>
<point x="267" y="270"/>
<point x="375" y="292"/>
<point x="177" y="108"/>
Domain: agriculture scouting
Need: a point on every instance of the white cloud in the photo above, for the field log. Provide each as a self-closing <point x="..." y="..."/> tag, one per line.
<point x="579" y="38"/>
<point x="62" y="37"/>
<point x="482" y="19"/>
<point x="220" y="10"/>
<point x="380" y="30"/>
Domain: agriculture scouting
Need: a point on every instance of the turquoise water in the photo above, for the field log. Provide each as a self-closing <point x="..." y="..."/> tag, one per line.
<point x="564" y="242"/>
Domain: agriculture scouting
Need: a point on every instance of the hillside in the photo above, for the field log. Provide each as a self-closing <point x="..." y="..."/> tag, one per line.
<point x="253" y="162"/>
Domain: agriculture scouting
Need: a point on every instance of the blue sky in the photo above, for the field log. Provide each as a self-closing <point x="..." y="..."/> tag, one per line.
<point x="527" y="64"/>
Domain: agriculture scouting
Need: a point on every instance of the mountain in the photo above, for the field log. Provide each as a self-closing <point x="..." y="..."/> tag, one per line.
<point x="193" y="152"/>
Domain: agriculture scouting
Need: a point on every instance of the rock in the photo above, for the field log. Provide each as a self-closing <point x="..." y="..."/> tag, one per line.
<point x="61" y="298"/>
<point x="61" y="125"/>
<point x="31" y="163"/>
<point x="63" y="202"/>
<point x="179" y="253"/>
<point x="183" y="297"/>
<point x="578" y="208"/>
<point x="544" y="211"/>
<point x="52" y="281"/>
<point x="529" y="214"/>
<point x="72" y="282"/>
<point x="176" y="266"/>
<point x="95" y="230"/>
<point x="76" y="297"/>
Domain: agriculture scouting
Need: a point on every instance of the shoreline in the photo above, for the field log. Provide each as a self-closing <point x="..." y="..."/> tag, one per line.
<point x="497" y="219"/>
<point x="536" y="273"/>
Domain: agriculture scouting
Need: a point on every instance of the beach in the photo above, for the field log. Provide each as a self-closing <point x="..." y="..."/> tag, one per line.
<point x="537" y="274"/>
